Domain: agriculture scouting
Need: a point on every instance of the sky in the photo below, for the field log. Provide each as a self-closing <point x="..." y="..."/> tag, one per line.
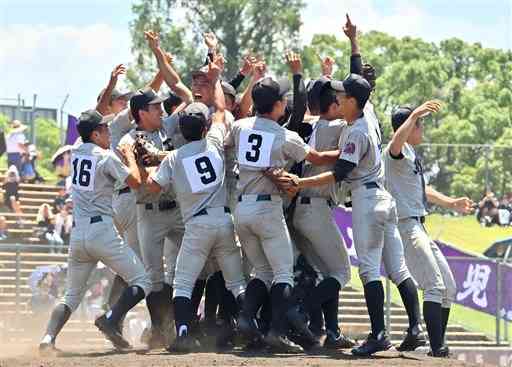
<point x="59" y="47"/>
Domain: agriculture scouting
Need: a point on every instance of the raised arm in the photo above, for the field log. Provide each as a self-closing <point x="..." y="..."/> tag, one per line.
<point x="170" y="76"/>
<point x="104" y="102"/>
<point x="299" y="91"/>
<point x="260" y="68"/>
<point x="402" y="134"/>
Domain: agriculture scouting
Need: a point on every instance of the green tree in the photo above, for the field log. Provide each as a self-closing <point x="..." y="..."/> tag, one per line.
<point x="261" y="27"/>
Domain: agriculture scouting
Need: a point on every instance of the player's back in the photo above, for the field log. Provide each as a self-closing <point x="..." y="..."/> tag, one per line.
<point x="92" y="179"/>
<point x="198" y="173"/>
<point x="360" y="143"/>
<point x="261" y="143"/>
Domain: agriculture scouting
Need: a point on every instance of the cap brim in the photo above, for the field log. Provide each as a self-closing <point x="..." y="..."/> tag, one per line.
<point x="284" y="87"/>
<point x="156" y="100"/>
<point x="126" y="95"/>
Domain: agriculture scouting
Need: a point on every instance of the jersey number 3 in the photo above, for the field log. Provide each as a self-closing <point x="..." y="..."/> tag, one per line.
<point x="255" y="148"/>
<point x="84" y="168"/>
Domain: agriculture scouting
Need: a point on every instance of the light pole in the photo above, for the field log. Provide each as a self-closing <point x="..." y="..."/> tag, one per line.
<point x="62" y="119"/>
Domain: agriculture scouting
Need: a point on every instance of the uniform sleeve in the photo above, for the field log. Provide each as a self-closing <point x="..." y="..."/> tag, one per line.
<point x="216" y="136"/>
<point x="127" y="139"/>
<point x="115" y="168"/>
<point x="170" y="125"/>
<point x="294" y="147"/>
<point x="121" y="124"/>
<point x="355" y="147"/>
<point x="229" y="138"/>
<point x="163" y="174"/>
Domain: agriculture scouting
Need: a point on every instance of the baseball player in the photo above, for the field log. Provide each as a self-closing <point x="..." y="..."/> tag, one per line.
<point x="197" y="172"/>
<point x="94" y="237"/>
<point x="158" y="217"/>
<point x="405" y="181"/>
<point x="260" y="143"/>
<point x="376" y="236"/>
<point x="312" y="219"/>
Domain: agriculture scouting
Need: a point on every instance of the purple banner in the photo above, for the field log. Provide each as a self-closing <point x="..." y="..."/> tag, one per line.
<point x="72" y="132"/>
<point x="476" y="277"/>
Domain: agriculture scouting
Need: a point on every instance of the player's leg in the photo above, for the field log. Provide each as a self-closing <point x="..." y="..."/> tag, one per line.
<point x="369" y="216"/>
<point x="193" y="253"/>
<point x="105" y="244"/>
<point x="397" y="270"/>
<point x="448" y="296"/>
<point x="424" y="268"/>
<point x="80" y="266"/>
<point x="256" y="293"/>
<point x="314" y="221"/>
<point x="275" y="239"/>
<point x="152" y="228"/>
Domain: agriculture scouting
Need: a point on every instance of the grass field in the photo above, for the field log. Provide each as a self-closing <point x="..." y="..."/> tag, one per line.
<point x="465" y="233"/>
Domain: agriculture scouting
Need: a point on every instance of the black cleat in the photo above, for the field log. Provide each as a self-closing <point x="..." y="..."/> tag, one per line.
<point x="225" y="338"/>
<point x="338" y="341"/>
<point x="443" y="352"/>
<point x="48" y="350"/>
<point x="184" y="344"/>
<point x="373" y="345"/>
<point x="249" y="328"/>
<point x="414" y="339"/>
<point x="111" y="332"/>
<point x="280" y="343"/>
<point x="299" y="323"/>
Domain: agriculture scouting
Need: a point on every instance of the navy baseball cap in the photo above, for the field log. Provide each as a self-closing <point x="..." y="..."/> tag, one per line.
<point x="399" y="116"/>
<point x="353" y="86"/>
<point x="314" y="89"/>
<point x="171" y="101"/>
<point x="193" y="119"/>
<point x="268" y="91"/>
<point x="89" y="121"/>
<point x="142" y="99"/>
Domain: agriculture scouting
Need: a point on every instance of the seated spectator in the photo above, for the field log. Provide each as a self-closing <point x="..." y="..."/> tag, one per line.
<point x="46" y="221"/>
<point x="11" y="194"/>
<point x="505" y="211"/>
<point x="27" y="172"/>
<point x="60" y="200"/>
<point x="488" y="213"/>
<point x="64" y="222"/>
<point x="14" y="141"/>
<point x="3" y="228"/>
<point x="44" y="283"/>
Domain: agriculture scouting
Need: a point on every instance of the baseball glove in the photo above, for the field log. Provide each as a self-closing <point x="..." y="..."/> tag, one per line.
<point x="146" y="153"/>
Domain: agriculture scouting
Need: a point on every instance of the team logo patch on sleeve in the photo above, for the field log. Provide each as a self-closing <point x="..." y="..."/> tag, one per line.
<point x="350" y="148"/>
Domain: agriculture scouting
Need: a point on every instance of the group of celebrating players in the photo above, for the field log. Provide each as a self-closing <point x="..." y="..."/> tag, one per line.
<point x="231" y="195"/>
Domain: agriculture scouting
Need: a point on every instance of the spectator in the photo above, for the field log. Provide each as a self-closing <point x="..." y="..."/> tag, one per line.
<point x="27" y="170"/>
<point x="60" y="200"/>
<point x="505" y="211"/>
<point x="46" y="221"/>
<point x="64" y="222"/>
<point x="14" y="141"/>
<point x="63" y="168"/>
<point x="487" y="213"/>
<point x="44" y="283"/>
<point x="3" y="228"/>
<point x="11" y="194"/>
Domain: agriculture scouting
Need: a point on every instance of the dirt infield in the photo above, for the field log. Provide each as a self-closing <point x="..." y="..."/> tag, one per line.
<point x="104" y="357"/>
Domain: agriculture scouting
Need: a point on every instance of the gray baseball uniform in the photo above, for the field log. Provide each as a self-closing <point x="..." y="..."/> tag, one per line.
<point x="428" y="266"/>
<point x="261" y="143"/>
<point x="158" y="219"/>
<point x="123" y="202"/>
<point x="374" y="216"/>
<point x="312" y="219"/>
<point x="197" y="172"/>
<point x="94" y="237"/>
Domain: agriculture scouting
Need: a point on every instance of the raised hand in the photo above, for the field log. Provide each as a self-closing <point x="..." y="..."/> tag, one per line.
<point x="118" y="70"/>
<point x="248" y="65"/>
<point x="350" y="29"/>
<point x="215" y="67"/>
<point x="260" y="69"/>
<point x="327" y="66"/>
<point x="294" y="62"/>
<point x="211" y="41"/>
<point x="153" y="40"/>
<point x="427" y="108"/>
